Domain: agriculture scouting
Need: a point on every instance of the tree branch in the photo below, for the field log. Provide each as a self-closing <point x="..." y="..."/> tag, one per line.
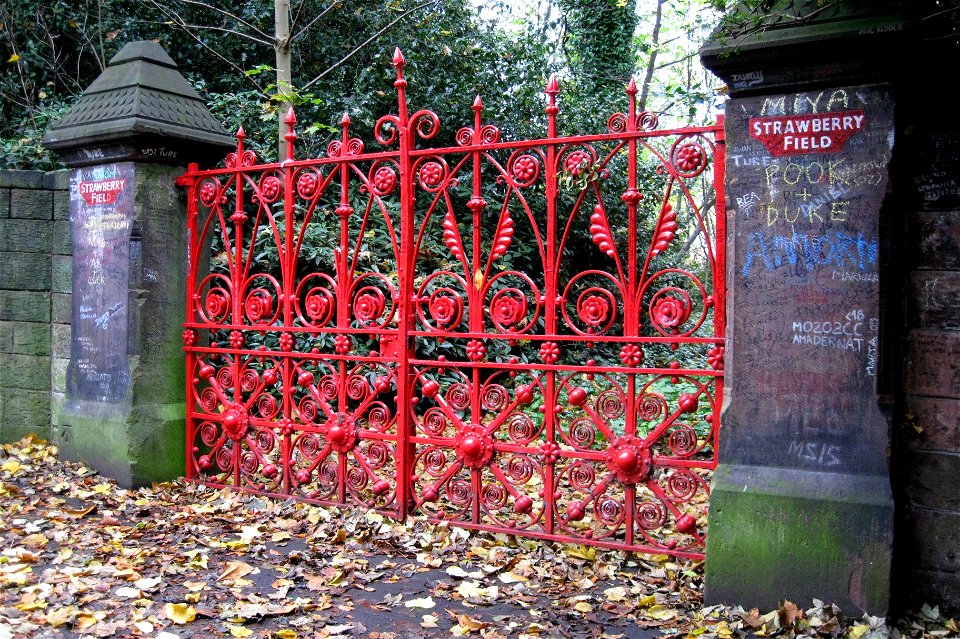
<point x="266" y="36"/>
<point x="312" y="21"/>
<point x="368" y="41"/>
<point x="183" y="25"/>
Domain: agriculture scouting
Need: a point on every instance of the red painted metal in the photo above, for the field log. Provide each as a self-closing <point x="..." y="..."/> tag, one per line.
<point x="539" y="351"/>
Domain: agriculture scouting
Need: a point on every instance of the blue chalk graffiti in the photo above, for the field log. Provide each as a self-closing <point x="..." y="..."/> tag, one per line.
<point x="833" y="248"/>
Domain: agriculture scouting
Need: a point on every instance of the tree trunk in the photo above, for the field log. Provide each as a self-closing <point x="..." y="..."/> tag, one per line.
<point x="284" y="74"/>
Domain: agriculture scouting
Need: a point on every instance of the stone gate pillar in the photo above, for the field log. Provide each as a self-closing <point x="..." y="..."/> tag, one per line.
<point x="801" y="505"/>
<point x="126" y="140"/>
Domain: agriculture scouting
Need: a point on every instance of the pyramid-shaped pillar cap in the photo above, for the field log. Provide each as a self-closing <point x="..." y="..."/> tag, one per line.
<point x="140" y="109"/>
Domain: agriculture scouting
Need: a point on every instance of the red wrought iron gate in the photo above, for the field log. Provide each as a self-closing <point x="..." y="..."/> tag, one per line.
<point x="524" y="337"/>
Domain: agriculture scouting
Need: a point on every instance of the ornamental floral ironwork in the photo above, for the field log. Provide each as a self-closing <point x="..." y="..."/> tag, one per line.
<point x="523" y="337"/>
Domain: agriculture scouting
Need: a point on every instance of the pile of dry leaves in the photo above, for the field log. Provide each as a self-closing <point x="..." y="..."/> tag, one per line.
<point x="81" y="556"/>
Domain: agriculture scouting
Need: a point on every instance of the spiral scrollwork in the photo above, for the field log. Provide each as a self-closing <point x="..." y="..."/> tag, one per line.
<point x="652" y="407"/>
<point x="582" y="476"/>
<point x="682" y="486"/>
<point x="434" y="422"/>
<point x="378" y="417"/>
<point x="493" y="496"/>
<point x="307" y="409"/>
<point x="520" y="469"/>
<point x="209" y="433"/>
<point x="327" y="387"/>
<point x="609" y="511"/>
<point x="651" y="515"/>
<point x="494" y="397"/>
<point x="521" y="428"/>
<point x="682" y="440"/>
<point x="581" y="433"/>
<point x="458" y="396"/>
<point x="610" y="404"/>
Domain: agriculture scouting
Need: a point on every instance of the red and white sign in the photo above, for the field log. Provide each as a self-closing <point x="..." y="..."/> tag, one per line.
<point x="808" y="133"/>
<point x="101" y="191"/>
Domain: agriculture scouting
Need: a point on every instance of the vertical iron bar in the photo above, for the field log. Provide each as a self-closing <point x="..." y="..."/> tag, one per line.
<point x="405" y="271"/>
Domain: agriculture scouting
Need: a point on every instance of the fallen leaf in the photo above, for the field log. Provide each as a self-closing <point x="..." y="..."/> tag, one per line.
<point x="13" y="465"/>
<point x="239" y="631"/>
<point x="424" y="602"/>
<point x="180" y="613"/>
<point x="788" y="613"/>
<point x="59" y="616"/>
<point x="617" y="593"/>
<point x="429" y="621"/>
<point x="470" y="623"/>
<point x="235" y="570"/>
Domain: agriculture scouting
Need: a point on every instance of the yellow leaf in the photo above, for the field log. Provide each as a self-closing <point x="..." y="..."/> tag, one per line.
<point x="583" y="606"/>
<point x="583" y="552"/>
<point x="13" y="58"/>
<point x="180" y="613"/>
<point x="858" y="629"/>
<point x="478" y="279"/>
<point x="103" y="489"/>
<point x="617" y="593"/>
<point x="723" y="630"/>
<point x="36" y="540"/>
<point x="649" y="600"/>
<point x="13" y="465"/>
<point x="33" y="605"/>
<point x="239" y="631"/>
<point x="84" y="620"/>
<point x="661" y="613"/>
<point x="60" y="616"/>
<point x="286" y="633"/>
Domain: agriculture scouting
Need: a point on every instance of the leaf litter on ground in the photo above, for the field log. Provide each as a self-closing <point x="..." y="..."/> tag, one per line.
<point x="81" y="556"/>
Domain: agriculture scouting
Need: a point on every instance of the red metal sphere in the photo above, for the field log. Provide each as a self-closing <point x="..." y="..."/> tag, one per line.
<point x="430" y="388"/>
<point x="687" y="402"/>
<point x="687" y="524"/>
<point x="270" y="376"/>
<point x="575" y="511"/>
<point x="472" y="446"/>
<point x="303" y="476"/>
<point x="627" y="459"/>
<point x="381" y="487"/>
<point x="430" y="494"/>
<point x="523" y="504"/>
<point x="305" y="378"/>
<point x="270" y="471"/>
<point x="524" y="394"/>
<point x="577" y="396"/>
<point x="204" y="462"/>
<point x="207" y="371"/>
<point x="337" y="434"/>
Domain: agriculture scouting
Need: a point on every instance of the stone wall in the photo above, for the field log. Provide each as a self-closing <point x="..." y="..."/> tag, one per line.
<point x="35" y="285"/>
<point x="926" y="442"/>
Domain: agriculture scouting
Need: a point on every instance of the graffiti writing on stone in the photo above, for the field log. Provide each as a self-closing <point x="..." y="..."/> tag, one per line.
<point x="807" y="174"/>
<point x="101" y="217"/>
